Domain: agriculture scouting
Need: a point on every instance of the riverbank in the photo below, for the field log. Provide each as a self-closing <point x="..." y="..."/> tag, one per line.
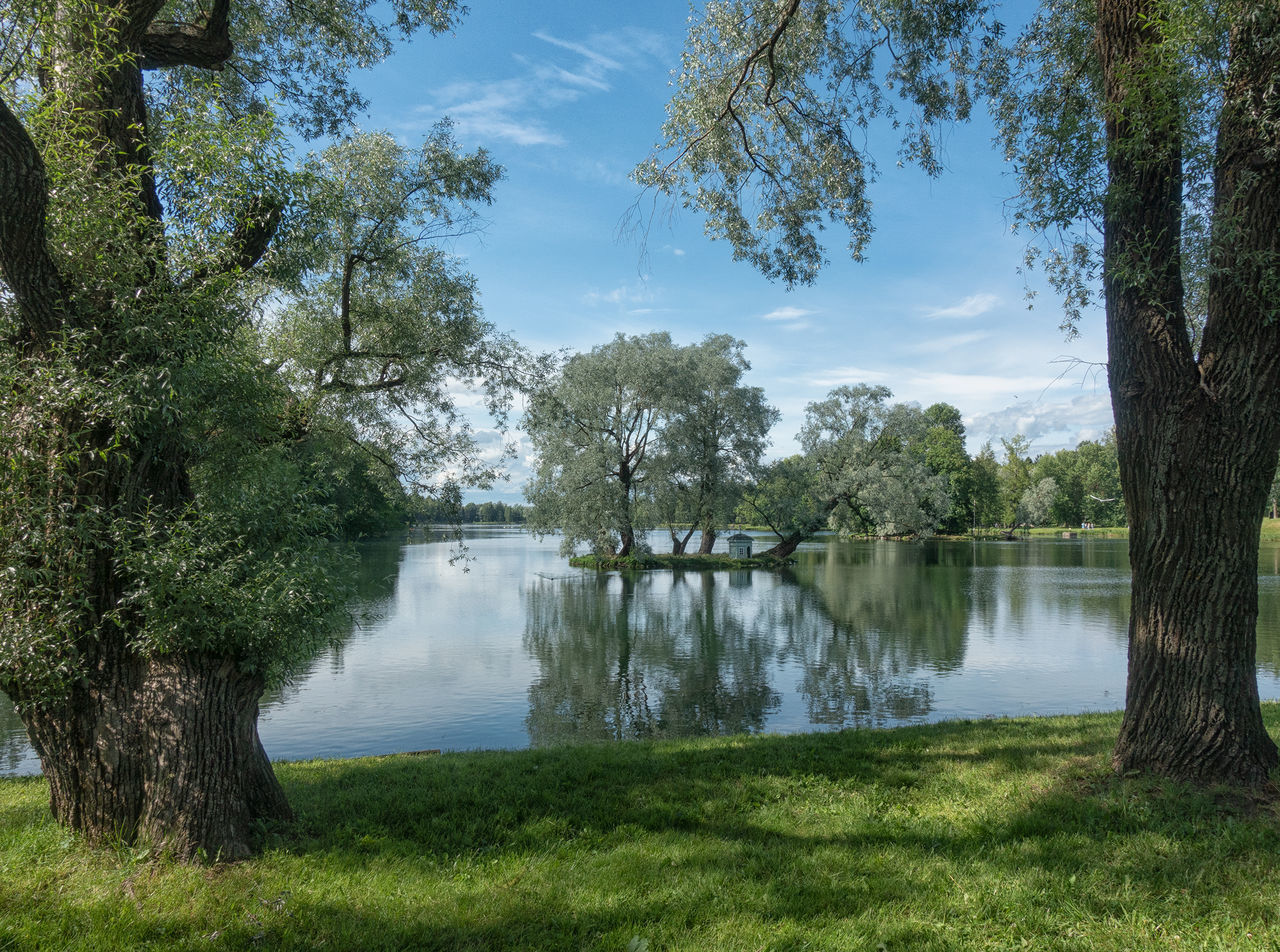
<point x="961" y="836"/>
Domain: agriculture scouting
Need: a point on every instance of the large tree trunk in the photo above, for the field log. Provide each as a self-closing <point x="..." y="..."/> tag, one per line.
<point x="1197" y="436"/>
<point x="164" y="752"/>
<point x="786" y="546"/>
<point x="708" y="541"/>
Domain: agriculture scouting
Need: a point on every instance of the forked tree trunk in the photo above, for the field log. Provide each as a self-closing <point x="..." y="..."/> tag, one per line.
<point x="1197" y="434"/>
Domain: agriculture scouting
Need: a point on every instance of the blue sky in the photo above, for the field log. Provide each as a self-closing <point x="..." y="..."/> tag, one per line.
<point x="569" y="97"/>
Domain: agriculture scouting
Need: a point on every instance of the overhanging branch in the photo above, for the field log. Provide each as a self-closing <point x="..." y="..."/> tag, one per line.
<point x="25" y="262"/>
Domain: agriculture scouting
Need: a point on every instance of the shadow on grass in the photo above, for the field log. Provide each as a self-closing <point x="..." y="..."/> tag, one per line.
<point x="453" y="804"/>
<point x="951" y="836"/>
<point x="744" y="816"/>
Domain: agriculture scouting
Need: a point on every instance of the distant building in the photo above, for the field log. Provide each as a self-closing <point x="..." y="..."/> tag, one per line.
<point x="739" y="546"/>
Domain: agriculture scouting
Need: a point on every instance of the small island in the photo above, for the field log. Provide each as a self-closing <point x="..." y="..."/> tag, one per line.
<point x="695" y="562"/>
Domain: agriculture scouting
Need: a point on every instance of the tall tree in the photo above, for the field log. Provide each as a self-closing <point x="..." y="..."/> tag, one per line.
<point x="945" y="454"/>
<point x="159" y="554"/>
<point x="1154" y="122"/>
<point x="595" y="430"/>
<point x="381" y="327"/>
<point x="713" y="436"/>
<point x="1016" y="475"/>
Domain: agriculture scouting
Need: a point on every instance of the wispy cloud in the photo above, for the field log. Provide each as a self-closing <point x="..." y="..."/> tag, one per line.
<point x="516" y="109"/>
<point x="626" y="294"/>
<point x="941" y="345"/>
<point x="490" y="111"/>
<point x="972" y="306"/>
<point x="596" y="60"/>
<point x="786" y="314"/>
<point x="840" y="376"/>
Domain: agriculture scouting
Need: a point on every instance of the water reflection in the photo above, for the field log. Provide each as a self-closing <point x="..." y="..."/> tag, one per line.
<point x="372" y="594"/>
<point x="523" y="650"/>
<point x="640" y="656"/>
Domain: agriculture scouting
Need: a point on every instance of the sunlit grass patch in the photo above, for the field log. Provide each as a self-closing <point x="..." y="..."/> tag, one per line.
<point x="984" y="835"/>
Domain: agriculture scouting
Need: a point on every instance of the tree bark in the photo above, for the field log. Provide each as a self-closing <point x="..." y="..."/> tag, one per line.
<point x="164" y="752"/>
<point x="1197" y="438"/>
<point x="788" y="545"/>
<point x="708" y="541"/>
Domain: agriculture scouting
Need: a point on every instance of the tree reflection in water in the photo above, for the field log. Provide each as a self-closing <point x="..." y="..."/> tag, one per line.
<point x="650" y="655"/>
<point x="696" y="653"/>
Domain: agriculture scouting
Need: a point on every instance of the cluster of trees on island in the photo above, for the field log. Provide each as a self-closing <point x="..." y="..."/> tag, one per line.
<point x="641" y="432"/>
<point x="203" y="346"/>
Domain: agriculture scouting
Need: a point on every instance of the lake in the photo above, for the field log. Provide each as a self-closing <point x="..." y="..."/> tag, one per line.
<point x="521" y="650"/>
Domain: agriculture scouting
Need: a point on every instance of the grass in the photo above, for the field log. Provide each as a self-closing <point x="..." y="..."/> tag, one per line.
<point x="1007" y="834"/>
<point x="1098" y="532"/>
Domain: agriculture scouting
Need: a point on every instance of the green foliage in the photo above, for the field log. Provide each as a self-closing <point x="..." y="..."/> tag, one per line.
<point x="869" y="463"/>
<point x="1088" y="480"/>
<point x="1036" y="503"/>
<point x="381" y="328"/>
<point x="783" y="498"/>
<point x="441" y="512"/>
<point x="765" y="131"/>
<point x="1016" y="476"/>
<point x="168" y="484"/>
<point x="303" y="57"/>
<point x="714" y="433"/>
<point x="1047" y="98"/>
<point x="636" y="417"/>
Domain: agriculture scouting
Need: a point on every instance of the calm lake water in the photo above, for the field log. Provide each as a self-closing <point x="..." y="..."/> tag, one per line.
<point x="521" y="650"/>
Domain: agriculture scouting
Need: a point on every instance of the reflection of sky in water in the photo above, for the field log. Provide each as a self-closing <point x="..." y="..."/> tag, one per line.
<point x="519" y="648"/>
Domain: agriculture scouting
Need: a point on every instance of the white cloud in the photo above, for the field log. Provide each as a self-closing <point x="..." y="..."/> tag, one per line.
<point x="596" y="60"/>
<point x="786" y="314"/>
<point x="508" y="109"/>
<point x="624" y="294"/>
<point x="972" y="306"/>
<point x="489" y="111"/>
<point x="1048" y="425"/>
<point x="939" y="345"/>
<point x="840" y="376"/>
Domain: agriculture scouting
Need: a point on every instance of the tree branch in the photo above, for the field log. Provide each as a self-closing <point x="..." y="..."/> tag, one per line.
<point x="184" y="44"/>
<point x="25" y="262"/>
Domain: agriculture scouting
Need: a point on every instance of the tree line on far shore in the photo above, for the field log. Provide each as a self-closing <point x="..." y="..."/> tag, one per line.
<point x="640" y="432"/>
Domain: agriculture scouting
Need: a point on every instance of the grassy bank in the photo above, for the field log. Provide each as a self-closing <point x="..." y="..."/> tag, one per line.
<point x="985" y="835"/>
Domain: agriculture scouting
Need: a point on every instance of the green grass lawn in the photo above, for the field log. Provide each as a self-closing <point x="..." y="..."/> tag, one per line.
<point x="983" y="835"/>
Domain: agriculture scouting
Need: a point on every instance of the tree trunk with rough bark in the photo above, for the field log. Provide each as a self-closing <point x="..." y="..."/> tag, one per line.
<point x="164" y="752"/>
<point x="1197" y="434"/>
<point x="708" y="541"/>
<point x="162" y="749"/>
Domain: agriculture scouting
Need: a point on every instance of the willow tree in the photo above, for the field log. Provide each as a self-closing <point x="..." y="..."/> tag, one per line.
<point x="381" y="329"/>
<point x="159" y="557"/>
<point x="714" y="433"/>
<point x="862" y="471"/>
<point x="595" y="429"/>
<point x="1146" y="134"/>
